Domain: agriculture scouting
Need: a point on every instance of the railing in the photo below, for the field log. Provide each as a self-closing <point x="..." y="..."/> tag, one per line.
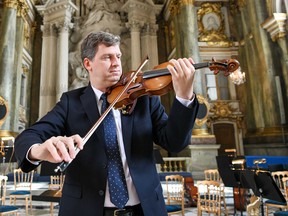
<point x="175" y="164"/>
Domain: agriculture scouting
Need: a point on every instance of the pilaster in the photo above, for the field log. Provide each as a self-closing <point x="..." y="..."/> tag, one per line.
<point x="57" y="22"/>
<point x="143" y="28"/>
<point x="11" y="45"/>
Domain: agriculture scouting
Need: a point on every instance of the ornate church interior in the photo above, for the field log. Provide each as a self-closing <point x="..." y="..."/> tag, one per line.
<point x="240" y="49"/>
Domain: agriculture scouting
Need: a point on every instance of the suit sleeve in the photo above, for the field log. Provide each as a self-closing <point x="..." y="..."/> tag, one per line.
<point x="174" y="133"/>
<point x="52" y="124"/>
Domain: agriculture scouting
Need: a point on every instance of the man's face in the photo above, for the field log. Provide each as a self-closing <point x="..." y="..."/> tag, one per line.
<point x="105" y="69"/>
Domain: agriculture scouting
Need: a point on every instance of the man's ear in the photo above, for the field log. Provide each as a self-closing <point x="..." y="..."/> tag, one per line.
<point x="87" y="64"/>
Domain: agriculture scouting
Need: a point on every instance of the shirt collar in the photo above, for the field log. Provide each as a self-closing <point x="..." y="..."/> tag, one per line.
<point x="97" y="92"/>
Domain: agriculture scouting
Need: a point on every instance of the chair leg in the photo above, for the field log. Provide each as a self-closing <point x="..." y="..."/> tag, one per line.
<point x="26" y="205"/>
<point x="51" y="208"/>
<point x="31" y="206"/>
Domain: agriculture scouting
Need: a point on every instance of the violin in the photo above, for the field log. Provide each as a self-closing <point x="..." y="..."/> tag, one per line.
<point x="157" y="82"/>
<point x="123" y="95"/>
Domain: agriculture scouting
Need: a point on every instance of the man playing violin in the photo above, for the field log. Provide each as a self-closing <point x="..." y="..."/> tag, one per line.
<point x="86" y="190"/>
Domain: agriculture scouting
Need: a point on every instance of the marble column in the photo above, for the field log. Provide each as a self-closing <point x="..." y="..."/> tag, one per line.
<point x="258" y="52"/>
<point x="57" y="16"/>
<point x="48" y="69"/>
<point x="62" y="70"/>
<point x="11" y="45"/>
<point x="149" y="45"/>
<point x="186" y="37"/>
<point x="135" y="28"/>
<point x="186" y="30"/>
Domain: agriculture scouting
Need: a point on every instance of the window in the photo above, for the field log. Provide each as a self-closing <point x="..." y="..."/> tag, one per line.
<point x="217" y="86"/>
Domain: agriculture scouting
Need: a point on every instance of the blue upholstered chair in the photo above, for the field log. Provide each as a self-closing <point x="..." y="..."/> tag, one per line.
<point x="22" y="188"/>
<point x="280" y="213"/>
<point x="175" y="194"/>
<point x="6" y="209"/>
<point x="281" y="180"/>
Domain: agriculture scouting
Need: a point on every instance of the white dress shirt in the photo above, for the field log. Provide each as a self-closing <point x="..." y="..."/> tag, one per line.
<point x="133" y="197"/>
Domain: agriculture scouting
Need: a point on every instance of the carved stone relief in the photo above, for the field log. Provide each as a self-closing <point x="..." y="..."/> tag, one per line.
<point x="103" y="16"/>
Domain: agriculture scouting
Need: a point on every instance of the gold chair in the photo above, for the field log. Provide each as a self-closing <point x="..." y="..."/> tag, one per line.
<point x="277" y="176"/>
<point x="213" y="175"/>
<point x="175" y="194"/>
<point x="285" y="186"/>
<point x="5" y="209"/>
<point x="209" y="197"/>
<point x="253" y="208"/>
<point x="22" y="188"/>
<point x="56" y="183"/>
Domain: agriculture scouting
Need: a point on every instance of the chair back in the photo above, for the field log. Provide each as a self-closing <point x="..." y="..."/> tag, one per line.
<point x="22" y="180"/>
<point x="285" y="187"/>
<point x="209" y="197"/>
<point x="56" y="182"/>
<point x="253" y="208"/>
<point x="3" y="184"/>
<point x="175" y="189"/>
<point x="212" y="175"/>
<point x="278" y="176"/>
<point x="175" y="192"/>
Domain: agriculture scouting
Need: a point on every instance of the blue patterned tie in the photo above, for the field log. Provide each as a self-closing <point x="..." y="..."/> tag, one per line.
<point x="116" y="178"/>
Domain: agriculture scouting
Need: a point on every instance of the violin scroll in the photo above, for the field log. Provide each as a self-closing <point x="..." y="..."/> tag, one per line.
<point x="228" y="66"/>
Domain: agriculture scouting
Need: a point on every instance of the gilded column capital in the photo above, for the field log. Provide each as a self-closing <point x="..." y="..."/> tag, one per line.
<point x="175" y="5"/>
<point x="11" y="4"/>
<point x="236" y="5"/>
<point x="19" y="5"/>
<point x="22" y="8"/>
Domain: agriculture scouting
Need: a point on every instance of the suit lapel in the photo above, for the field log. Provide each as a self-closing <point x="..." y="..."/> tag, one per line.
<point x="127" y="130"/>
<point x="88" y="100"/>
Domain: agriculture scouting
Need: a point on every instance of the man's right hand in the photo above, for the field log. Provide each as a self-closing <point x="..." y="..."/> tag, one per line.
<point x="56" y="149"/>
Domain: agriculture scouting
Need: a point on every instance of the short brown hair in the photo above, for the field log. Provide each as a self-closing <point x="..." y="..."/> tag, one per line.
<point x="90" y="44"/>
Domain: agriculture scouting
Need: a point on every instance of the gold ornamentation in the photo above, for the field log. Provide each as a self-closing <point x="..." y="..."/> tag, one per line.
<point x="236" y="5"/>
<point x="175" y="5"/>
<point x="211" y="23"/>
<point x="22" y="8"/>
<point x="202" y="115"/>
<point x="225" y="110"/>
<point x="22" y="114"/>
<point x="220" y="44"/>
<point x="11" y="4"/>
<point x="3" y="110"/>
<point x="26" y="35"/>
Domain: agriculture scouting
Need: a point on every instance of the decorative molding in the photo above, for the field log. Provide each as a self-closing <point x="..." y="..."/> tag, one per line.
<point x="11" y="4"/>
<point x="175" y="5"/>
<point x="276" y="25"/>
<point x="225" y="110"/>
<point x="211" y="23"/>
<point x="22" y="114"/>
<point x="202" y="114"/>
<point x="22" y="8"/>
<point x="4" y="109"/>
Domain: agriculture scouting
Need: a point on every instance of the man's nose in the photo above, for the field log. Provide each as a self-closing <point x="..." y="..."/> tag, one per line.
<point x="115" y="61"/>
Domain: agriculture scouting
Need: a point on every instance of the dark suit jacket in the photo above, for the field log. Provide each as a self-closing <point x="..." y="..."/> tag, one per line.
<point x="85" y="178"/>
